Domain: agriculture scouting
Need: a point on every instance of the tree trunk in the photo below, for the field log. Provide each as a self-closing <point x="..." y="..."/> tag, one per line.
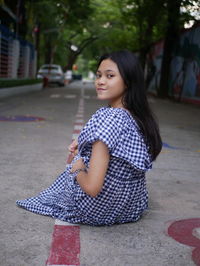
<point x="48" y="51"/>
<point x="171" y="39"/>
<point x="71" y="60"/>
<point x="73" y="55"/>
<point x="37" y="43"/>
<point x="143" y="55"/>
<point x="22" y="23"/>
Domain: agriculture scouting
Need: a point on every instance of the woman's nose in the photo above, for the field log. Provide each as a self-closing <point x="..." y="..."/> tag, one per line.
<point x="100" y="81"/>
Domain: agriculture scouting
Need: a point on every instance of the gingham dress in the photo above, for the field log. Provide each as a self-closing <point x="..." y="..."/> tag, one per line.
<point x="123" y="197"/>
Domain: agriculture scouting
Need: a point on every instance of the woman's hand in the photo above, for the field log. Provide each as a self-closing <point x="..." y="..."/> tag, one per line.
<point x="73" y="148"/>
<point x="79" y="164"/>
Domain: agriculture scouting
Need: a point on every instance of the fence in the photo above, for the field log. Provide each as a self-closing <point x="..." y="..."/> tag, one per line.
<point x="17" y="56"/>
<point x="184" y="83"/>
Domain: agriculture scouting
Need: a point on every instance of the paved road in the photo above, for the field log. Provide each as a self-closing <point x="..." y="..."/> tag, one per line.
<point x="34" y="153"/>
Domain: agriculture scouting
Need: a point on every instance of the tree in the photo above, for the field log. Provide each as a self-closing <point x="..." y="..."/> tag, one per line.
<point x="63" y="30"/>
<point x="108" y="25"/>
<point x="171" y="39"/>
<point x="147" y="18"/>
<point x="48" y="23"/>
<point x="102" y="31"/>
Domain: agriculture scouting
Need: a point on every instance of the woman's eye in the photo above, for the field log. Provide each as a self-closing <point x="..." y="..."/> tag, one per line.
<point x="98" y="76"/>
<point x="110" y="75"/>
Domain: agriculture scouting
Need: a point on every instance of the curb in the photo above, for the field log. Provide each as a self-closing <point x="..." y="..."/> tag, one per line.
<point x="11" y="91"/>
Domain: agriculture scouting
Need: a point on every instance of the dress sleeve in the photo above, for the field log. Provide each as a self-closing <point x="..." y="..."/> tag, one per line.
<point x="121" y="136"/>
<point x="107" y="128"/>
<point x="133" y="149"/>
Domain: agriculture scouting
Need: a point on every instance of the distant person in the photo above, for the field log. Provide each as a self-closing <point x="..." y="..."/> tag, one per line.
<point x="105" y="183"/>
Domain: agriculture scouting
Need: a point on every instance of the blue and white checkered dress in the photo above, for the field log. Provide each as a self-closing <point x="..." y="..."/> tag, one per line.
<point x="124" y="195"/>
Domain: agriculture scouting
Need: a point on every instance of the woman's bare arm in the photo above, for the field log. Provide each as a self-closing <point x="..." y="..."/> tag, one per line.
<point x="92" y="181"/>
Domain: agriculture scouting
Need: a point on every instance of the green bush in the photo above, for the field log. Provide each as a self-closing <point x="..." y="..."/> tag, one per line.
<point x="6" y="83"/>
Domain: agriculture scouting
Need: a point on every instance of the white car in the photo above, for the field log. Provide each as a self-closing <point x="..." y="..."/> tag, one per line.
<point x="53" y="73"/>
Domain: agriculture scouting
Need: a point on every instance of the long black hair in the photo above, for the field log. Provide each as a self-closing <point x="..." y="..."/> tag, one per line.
<point x="135" y="98"/>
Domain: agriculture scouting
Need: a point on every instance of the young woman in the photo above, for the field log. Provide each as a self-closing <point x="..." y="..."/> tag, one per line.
<point x="105" y="183"/>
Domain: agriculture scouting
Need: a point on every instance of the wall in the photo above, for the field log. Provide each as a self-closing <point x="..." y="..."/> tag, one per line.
<point x="184" y="83"/>
<point x="17" y="56"/>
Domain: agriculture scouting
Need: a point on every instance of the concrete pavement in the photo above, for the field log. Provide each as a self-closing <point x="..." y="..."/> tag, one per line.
<point x="34" y="153"/>
<point x="7" y="92"/>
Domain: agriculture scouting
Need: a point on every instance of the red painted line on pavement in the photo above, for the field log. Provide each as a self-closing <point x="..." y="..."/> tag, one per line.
<point x="76" y="131"/>
<point x="190" y="100"/>
<point x="78" y="124"/>
<point x="65" y="247"/>
<point x="183" y="232"/>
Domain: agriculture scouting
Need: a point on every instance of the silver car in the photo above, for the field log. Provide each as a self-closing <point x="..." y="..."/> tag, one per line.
<point x="53" y="73"/>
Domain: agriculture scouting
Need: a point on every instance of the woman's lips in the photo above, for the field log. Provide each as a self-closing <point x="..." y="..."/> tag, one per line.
<point x="101" y="89"/>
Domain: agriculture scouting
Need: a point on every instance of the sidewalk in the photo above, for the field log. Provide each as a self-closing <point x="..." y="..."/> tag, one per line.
<point x="13" y="91"/>
<point x="35" y="152"/>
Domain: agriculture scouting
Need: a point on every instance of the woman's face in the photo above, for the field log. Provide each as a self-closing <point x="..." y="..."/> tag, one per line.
<point x="109" y="83"/>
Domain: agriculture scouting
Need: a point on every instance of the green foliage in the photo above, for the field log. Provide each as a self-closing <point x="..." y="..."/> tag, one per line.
<point x="94" y="27"/>
<point x="18" y="82"/>
<point x="55" y="20"/>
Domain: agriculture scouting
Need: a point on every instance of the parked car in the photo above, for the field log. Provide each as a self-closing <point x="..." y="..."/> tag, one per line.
<point x="53" y="73"/>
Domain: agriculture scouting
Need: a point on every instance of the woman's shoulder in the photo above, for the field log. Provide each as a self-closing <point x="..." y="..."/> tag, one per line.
<point x="118" y="116"/>
<point x="119" y="113"/>
<point x="103" y="113"/>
